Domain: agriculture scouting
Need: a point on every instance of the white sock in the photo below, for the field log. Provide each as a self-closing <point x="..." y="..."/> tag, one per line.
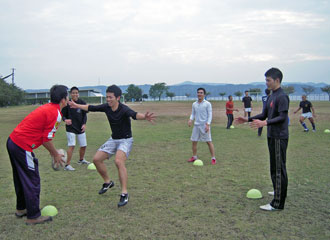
<point x="195" y="157"/>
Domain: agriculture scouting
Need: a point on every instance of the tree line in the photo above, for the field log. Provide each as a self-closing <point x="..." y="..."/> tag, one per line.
<point x="10" y="95"/>
<point x="156" y="91"/>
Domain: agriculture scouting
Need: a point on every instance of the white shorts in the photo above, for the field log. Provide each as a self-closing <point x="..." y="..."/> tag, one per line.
<point x="113" y="145"/>
<point x="307" y="115"/>
<point x="72" y="139"/>
<point x="199" y="134"/>
<point x="247" y="109"/>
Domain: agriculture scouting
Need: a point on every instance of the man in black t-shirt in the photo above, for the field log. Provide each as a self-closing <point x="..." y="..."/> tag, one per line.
<point x="306" y="107"/>
<point x="75" y="124"/>
<point x="276" y="112"/>
<point x="121" y="141"/>
<point x="247" y="100"/>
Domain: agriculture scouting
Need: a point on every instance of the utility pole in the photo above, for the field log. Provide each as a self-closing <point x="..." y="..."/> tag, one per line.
<point x="12" y="76"/>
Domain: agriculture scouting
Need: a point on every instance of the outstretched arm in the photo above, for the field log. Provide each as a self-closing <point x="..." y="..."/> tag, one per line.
<point x="75" y="105"/>
<point x="147" y="116"/>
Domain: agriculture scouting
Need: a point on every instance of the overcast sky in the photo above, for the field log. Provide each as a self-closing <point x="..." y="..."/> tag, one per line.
<point x="91" y="42"/>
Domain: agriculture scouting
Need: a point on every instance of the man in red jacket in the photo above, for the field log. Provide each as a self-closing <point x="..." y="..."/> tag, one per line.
<point x="37" y="128"/>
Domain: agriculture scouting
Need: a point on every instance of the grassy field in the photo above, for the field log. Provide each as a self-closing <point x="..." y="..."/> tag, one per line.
<point x="170" y="198"/>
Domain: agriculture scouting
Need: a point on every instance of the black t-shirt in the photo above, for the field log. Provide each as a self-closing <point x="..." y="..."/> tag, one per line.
<point x="306" y="106"/>
<point x="120" y="120"/>
<point x="247" y="101"/>
<point x="77" y="116"/>
<point x="276" y="112"/>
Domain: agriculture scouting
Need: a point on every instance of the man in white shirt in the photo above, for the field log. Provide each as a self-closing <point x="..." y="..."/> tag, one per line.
<point x="202" y="114"/>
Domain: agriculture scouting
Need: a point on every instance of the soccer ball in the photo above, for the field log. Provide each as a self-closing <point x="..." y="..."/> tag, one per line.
<point x="61" y="165"/>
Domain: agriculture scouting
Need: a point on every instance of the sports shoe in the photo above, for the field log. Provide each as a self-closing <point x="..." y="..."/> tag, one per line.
<point x="123" y="199"/>
<point x="69" y="168"/>
<point x="38" y="220"/>
<point x="314" y="130"/>
<point x="214" y="161"/>
<point x="192" y="159"/>
<point x="20" y="213"/>
<point x="268" y="207"/>
<point x="306" y="130"/>
<point x="106" y="186"/>
<point x="83" y="161"/>
<point x="271" y="193"/>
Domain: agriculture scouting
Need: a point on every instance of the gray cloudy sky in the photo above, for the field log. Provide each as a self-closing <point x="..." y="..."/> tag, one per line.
<point x="87" y="42"/>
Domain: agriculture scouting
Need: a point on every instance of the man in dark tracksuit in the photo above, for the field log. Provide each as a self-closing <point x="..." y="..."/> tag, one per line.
<point x="276" y="112"/>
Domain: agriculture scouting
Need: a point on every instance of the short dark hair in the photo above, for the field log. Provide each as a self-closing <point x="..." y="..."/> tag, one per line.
<point x="202" y="89"/>
<point x="274" y="73"/>
<point x="229" y="96"/>
<point x="115" y="90"/>
<point x="246" y="91"/>
<point x="267" y="91"/>
<point x="74" y="88"/>
<point x="57" y="93"/>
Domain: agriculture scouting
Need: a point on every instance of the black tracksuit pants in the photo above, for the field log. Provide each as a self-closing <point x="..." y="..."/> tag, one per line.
<point x="230" y="120"/>
<point x="277" y="152"/>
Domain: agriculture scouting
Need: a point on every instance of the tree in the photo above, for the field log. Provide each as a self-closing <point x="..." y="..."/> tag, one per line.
<point x="326" y="89"/>
<point x="157" y="90"/>
<point x="308" y="90"/>
<point x="238" y="94"/>
<point x="255" y="91"/>
<point x="145" y="96"/>
<point x="207" y="94"/>
<point x="222" y="94"/>
<point x="133" y="92"/>
<point x="170" y="95"/>
<point x="10" y="95"/>
<point x="187" y="95"/>
<point x="288" y="89"/>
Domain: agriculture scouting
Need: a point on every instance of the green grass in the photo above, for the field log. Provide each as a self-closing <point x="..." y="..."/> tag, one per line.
<point x="170" y="198"/>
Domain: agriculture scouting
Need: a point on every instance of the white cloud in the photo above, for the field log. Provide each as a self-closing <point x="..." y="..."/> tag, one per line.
<point x="77" y="37"/>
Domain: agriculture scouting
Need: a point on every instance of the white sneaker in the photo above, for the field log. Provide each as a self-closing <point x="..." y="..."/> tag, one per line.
<point x="268" y="207"/>
<point x="69" y="168"/>
<point x="83" y="162"/>
<point x="271" y="193"/>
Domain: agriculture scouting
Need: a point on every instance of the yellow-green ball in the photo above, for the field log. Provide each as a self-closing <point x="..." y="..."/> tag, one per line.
<point x="198" y="162"/>
<point x="91" y="166"/>
<point x="49" y="211"/>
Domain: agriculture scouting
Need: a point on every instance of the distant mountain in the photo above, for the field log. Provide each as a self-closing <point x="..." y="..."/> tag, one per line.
<point x="214" y="88"/>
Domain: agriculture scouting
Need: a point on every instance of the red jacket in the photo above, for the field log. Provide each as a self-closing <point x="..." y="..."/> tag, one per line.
<point x="229" y="104"/>
<point x="37" y="127"/>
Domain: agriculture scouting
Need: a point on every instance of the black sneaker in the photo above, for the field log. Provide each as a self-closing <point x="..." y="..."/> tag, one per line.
<point x="123" y="199"/>
<point x="106" y="186"/>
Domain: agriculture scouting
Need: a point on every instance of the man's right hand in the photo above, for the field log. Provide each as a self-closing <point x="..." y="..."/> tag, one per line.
<point x="58" y="160"/>
<point x="189" y="123"/>
<point x="68" y="121"/>
<point x="240" y="120"/>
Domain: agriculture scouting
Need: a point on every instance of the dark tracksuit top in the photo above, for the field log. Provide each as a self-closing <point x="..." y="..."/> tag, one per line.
<point x="276" y="112"/>
<point x="77" y="116"/>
